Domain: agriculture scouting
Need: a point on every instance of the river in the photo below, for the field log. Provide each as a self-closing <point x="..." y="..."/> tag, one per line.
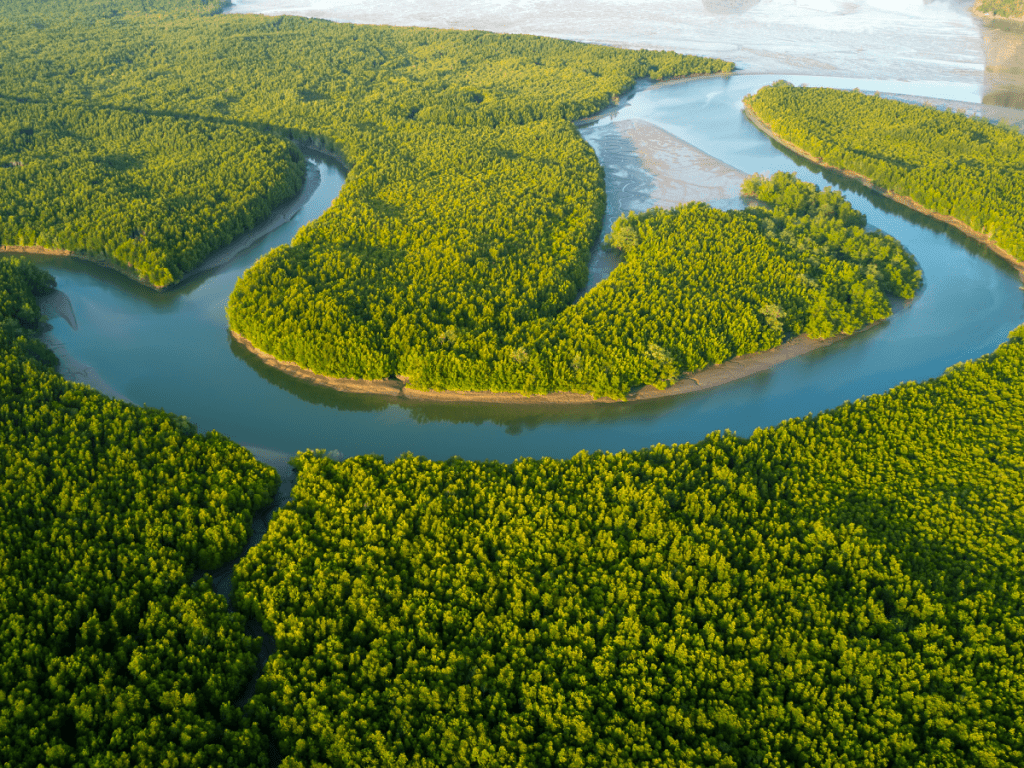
<point x="172" y="350"/>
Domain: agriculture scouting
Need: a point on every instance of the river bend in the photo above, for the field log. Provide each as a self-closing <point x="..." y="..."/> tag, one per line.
<point x="173" y="350"/>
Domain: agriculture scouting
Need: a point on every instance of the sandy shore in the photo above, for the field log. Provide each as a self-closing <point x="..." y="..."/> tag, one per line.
<point x="714" y="376"/>
<point x="901" y="199"/>
<point x="73" y="369"/>
<point x="215" y="260"/>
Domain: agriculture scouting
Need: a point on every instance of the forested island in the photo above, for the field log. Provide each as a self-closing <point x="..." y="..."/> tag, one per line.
<point x="948" y="164"/>
<point x="842" y="590"/>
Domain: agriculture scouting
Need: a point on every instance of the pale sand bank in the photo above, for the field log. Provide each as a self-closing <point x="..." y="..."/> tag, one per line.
<point x="73" y="369"/>
<point x="714" y="376"/>
<point x="646" y="167"/>
<point x="681" y="172"/>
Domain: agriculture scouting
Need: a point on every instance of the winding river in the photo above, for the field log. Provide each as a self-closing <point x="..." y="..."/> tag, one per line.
<point x="172" y="350"/>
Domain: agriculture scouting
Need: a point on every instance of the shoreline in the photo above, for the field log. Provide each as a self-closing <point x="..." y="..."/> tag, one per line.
<point x="734" y="369"/>
<point x="215" y="259"/>
<point x="894" y="196"/>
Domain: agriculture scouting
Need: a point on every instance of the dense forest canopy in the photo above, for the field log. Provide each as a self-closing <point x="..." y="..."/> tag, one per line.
<point x="841" y="590"/>
<point x="114" y="653"/>
<point x="152" y="194"/>
<point x="698" y="286"/>
<point x="838" y="590"/>
<point x="950" y="163"/>
<point x="1011" y="9"/>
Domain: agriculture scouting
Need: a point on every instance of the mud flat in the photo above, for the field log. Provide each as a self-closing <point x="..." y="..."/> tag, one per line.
<point x="713" y="376"/>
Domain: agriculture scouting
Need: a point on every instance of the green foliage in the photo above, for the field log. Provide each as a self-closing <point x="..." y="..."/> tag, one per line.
<point x="21" y="284"/>
<point x="154" y="194"/>
<point x="471" y="203"/>
<point x="698" y="286"/>
<point x="952" y="164"/>
<point x="113" y="653"/>
<point x="1013" y="9"/>
<point x="841" y="590"/>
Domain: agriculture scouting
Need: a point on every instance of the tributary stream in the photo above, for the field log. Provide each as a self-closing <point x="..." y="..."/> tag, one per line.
<point x="172" y="350"/>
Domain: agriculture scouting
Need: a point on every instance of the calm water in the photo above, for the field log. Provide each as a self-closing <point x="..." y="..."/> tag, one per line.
<point x="173" y="350"/>
<point x="894" y="39"/>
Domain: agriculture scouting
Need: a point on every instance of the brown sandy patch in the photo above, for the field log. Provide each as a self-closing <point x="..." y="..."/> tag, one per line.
<point x="714" y="376"/>
<point x="34" y="249"/>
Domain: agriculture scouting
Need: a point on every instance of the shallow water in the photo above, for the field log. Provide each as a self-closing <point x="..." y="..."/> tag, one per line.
<point x="887" y="39"/>
<point x="173" y="350"/>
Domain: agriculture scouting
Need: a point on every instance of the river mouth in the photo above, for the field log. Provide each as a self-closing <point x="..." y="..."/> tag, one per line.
<point x="173" y="350"/>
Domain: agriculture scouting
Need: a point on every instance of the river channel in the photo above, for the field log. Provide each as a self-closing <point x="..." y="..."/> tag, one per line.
<point x="172" y="350"/>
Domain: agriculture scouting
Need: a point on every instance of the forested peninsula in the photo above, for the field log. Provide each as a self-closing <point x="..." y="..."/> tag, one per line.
<point x="844" y="589"/>
<point x="151" y="195"/>
<point x="960" y="169"/>
<point x="698" y="286"/>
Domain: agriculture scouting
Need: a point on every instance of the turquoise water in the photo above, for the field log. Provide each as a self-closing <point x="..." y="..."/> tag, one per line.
<point x="173" y="350"/>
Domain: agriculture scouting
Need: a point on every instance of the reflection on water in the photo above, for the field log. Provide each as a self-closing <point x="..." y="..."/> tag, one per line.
<point x="172" y="349"/>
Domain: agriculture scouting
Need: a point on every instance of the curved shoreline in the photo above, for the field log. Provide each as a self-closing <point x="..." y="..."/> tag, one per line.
<point x="894" y="196"/>
<point x="734" y="369"/>
<point x="215" y="259"/>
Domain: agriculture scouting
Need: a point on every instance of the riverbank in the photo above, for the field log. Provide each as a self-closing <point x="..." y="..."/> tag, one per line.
<point x="737" y="368"/>
<point x="901" y="199"/>
<point x="216" y="259"/>
<point x="277" y="217"/>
